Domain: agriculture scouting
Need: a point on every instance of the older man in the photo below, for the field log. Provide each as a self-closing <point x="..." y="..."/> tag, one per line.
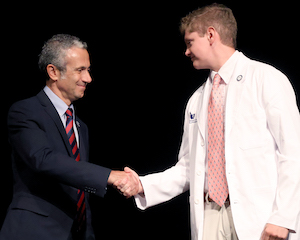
<point x="50" y="152"/>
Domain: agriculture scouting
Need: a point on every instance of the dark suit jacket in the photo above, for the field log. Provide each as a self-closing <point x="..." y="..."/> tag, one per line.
<point x="46" y="176"/>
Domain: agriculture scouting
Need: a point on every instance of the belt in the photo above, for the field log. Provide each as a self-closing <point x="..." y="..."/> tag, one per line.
<point x="210" y="200"/>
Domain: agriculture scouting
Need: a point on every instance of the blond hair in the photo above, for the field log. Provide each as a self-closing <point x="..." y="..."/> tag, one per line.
<point x="217" y="16"/>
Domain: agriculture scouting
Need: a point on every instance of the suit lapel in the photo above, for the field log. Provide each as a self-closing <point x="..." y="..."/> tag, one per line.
<point x="82" y="140"/>
<point x="50" y="109"/>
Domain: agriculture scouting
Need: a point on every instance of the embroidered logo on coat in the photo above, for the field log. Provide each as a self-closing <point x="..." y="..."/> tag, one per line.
<point x="193" y="118"/>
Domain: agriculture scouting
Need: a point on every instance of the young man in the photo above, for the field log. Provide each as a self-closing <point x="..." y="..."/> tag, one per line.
<point x="240" y="154"/>
<point x="50" y="152"/>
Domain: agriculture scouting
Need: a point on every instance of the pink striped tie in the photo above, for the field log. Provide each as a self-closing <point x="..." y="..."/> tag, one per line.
<point x="217" y="182"/>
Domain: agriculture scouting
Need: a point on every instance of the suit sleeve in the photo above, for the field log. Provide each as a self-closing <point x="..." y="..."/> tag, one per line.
<point x="29" y="141"/>
<point x="284" y="124"/>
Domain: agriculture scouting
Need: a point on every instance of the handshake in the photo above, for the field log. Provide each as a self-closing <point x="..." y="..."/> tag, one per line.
<point x="127" y="182"/>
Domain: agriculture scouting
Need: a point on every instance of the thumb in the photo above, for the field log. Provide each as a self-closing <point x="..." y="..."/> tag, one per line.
<point x="128" y="170"/>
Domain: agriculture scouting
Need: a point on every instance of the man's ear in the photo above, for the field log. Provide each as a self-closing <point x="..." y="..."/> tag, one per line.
<point x="211" y="34"/>
<point x="53" y="72"/>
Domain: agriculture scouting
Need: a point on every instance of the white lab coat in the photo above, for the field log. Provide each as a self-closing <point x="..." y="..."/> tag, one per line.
<point x="262" y="152"/>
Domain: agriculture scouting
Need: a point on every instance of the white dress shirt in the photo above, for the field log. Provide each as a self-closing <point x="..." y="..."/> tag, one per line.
<point x="61" y="108"/>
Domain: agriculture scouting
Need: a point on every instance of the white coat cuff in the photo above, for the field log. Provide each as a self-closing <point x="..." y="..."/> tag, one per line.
<point x="140" y="199"/>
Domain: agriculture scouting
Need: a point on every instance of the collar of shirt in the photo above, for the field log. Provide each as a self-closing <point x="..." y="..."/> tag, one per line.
<point x="226" y="70"/>
<point x="60" y="106"/>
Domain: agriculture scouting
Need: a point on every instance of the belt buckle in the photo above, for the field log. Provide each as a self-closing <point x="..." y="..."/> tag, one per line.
<point x="208" y="199"/>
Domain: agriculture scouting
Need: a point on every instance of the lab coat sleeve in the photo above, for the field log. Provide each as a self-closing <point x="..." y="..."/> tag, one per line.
<point x="284" y="123"/>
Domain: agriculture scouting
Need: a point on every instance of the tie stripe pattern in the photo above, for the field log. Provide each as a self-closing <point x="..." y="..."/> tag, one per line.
<point x="79" y="222"/>
<point x="217" y="182"/>
<point x="71" y="134"/>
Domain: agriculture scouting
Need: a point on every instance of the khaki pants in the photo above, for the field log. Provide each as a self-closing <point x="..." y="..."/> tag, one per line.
<point x="218" y="222"/>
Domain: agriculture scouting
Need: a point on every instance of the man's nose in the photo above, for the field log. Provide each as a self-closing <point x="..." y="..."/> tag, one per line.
<point x="87" y="77"/>
<point x="187" y="52"/>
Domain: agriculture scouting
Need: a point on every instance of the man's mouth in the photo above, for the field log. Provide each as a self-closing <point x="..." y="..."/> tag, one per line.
<point x="82" y="85"/>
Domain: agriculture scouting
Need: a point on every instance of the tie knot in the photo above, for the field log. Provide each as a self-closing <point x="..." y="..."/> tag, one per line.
<point x="69" y="113"/>
<point x="217" y="79"/>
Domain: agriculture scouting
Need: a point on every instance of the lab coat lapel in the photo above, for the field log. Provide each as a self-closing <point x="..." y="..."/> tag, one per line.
<point x="202" y="106"/>
<point x="235" y="93"/>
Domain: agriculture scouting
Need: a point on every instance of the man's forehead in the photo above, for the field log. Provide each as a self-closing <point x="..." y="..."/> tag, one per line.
<point x="78" y="56"/>
<point x="77" y="53"/>
<point x="190" y="35"/>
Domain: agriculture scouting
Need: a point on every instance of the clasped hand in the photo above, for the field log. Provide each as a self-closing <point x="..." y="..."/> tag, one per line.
<point x="127" y="182"/>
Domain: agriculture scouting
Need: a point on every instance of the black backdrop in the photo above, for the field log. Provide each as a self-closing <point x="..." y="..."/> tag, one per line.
<point x="141" y="83"/>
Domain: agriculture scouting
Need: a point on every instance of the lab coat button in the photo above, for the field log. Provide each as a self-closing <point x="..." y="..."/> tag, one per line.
<point x="202" y="143"/>
<point x="199" y="173"/>
<point x="197" y="201"/>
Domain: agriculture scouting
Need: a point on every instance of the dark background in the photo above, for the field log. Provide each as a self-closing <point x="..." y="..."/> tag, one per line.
<point x="142" y="82"/>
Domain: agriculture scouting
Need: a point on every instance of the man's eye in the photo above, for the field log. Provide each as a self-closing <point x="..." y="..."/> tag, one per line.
<point x="188" y="43"/>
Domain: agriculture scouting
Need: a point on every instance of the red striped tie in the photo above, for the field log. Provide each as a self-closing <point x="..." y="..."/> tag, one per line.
<point x="79" y="222"/>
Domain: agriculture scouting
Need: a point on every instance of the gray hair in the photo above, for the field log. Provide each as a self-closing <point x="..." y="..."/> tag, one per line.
<point x="54" y="51"/>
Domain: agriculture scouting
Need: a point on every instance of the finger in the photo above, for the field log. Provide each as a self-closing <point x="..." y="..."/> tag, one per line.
<point x="116" y="183"/>
<point x="132" y="190"/>
<point x="125" y="185"/>
<point x="121" y="187"/>
<point x="123" y="182"/>
<point x="265" y="236"/>
<point x="124" y="189"/>
<point x="129" y="193"/>
<point x="130" y="187"/>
